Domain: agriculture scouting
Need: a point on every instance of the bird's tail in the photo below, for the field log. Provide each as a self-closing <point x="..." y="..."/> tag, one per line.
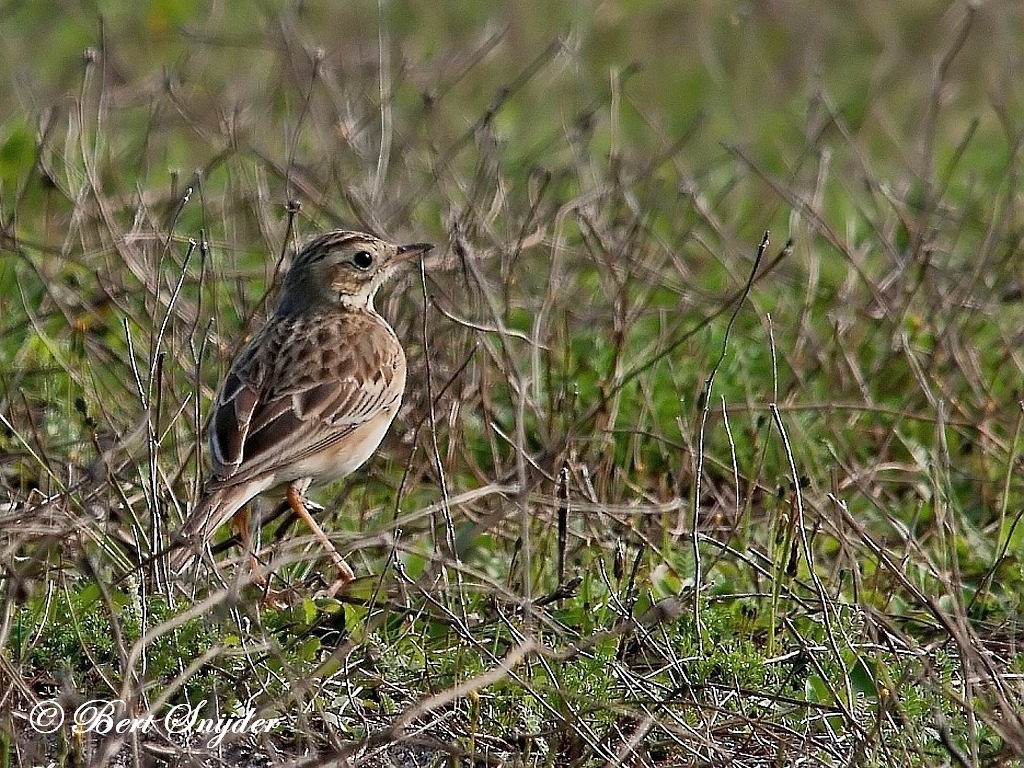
<point x="214" y="509"/>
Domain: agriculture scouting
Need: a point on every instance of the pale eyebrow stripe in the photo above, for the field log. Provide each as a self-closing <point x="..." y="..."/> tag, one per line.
<point x="320" y="246"/>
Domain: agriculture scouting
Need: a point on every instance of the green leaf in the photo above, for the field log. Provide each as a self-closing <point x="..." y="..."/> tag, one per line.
<point x="17" y="153"/>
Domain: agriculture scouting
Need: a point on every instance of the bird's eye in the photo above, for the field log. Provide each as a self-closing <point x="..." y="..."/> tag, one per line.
<point x="362" y="259"/>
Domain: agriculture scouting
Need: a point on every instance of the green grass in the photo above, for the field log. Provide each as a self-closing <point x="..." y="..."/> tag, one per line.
<point x="598" y="179"/>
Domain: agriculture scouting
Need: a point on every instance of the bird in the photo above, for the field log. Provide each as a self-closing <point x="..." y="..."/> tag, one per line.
<point x="310" y="397"/>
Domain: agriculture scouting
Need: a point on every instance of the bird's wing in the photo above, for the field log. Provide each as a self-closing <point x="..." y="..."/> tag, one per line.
<point x="292" y="393"/>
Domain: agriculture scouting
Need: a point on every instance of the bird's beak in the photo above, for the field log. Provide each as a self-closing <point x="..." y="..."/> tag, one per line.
<point x="411" y="251"/>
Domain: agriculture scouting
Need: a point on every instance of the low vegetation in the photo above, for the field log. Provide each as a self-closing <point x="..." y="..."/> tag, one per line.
<point x="711" y="453"/>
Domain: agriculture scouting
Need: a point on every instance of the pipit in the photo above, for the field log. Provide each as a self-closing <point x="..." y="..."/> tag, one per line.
<point x="310" y="397"/>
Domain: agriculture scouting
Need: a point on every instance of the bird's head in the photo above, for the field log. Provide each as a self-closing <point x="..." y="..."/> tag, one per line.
<point x="343" y="268"/>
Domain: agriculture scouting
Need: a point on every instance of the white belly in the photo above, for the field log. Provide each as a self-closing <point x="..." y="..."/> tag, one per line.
<point x="348" y="454"/>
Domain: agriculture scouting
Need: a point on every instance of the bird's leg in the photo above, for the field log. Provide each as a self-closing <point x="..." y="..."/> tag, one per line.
<point x="240" y="525"/>
<point x="345" y="574"/>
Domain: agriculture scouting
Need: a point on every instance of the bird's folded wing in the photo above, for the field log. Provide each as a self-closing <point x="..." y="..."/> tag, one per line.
<point x="255" y="432"/>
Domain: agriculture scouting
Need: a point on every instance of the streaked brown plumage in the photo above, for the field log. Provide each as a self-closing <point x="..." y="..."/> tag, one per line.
<point x="310" y="397"/>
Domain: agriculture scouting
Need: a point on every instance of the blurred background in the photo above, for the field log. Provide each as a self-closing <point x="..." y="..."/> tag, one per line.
<point x="719" y="504"/>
